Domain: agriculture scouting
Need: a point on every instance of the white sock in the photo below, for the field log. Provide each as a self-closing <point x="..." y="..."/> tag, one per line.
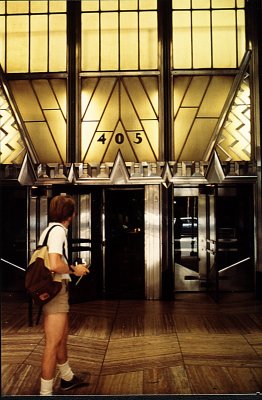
<point x="65" y="371"/>
<point x="46" y="388"/>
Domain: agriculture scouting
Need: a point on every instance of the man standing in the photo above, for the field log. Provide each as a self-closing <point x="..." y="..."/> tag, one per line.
<point x="61" y="213"/>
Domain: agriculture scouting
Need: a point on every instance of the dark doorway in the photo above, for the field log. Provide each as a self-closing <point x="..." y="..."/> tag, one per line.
<point x="124" y="251"/>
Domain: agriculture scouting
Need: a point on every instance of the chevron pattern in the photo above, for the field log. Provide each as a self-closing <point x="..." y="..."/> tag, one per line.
<point x="234" y="143"/>
<point x="12" y="149"/>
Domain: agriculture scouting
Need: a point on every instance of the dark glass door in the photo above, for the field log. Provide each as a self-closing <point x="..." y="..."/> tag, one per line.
<point x="124" y="243"/>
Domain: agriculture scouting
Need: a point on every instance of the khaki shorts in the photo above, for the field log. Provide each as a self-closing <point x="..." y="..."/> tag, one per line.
<point x="59" y="304"/>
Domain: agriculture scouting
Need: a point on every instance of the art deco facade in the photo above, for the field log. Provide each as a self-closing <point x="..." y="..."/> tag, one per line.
<point x="148" y="113"/>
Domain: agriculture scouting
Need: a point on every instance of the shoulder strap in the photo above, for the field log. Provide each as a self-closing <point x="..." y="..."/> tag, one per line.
<point x="47" y="235"/>
<point x="46" y="239"/>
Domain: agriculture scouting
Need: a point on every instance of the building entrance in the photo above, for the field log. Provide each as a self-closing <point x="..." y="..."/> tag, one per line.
<point x="124" y="273"/>
<point x="213" y="239"/>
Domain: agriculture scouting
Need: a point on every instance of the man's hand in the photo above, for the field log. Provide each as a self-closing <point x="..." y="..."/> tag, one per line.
<point x="81" y="269"/>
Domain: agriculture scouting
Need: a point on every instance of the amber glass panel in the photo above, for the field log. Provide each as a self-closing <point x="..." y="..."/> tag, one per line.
<point x="224" y="39"/>
<point x="43" y="142"/>
<point x="200" y="4"/>
<point x="109" y="5"/>
<point x="147" y="4"/>
<point x="201" y="39"/>
<point x="57" y="126"/>
<point x="44" y="94"/>
<point x="181" y="39"/>
<point x="17" y="7"/>
<point x="129" y="5"/>
<point x="216" y="96"/>
<point x="241" y="3"/>
<point x="26" y="101"/>
<point x="57" y="6"/>
<point x="57" y="40"/>
<point x="198" y="103"/>
<point x="38" y="40"/>
<point x="2" y="41"/>
<point x="42" y="105"/>
<point x="223" y="3"/>
<point x="128" y="40"/>
<point x="109" y="41"/>
<point x="38" y="6"/>
<point x="241" y="35"/>
<point x="120" y="114"/>
<point x="178" y="4"/>
<point x="195" y="91"/>
<point x="90" y="5"/>
<point x="183" y="123"/>
<point x="148" y="40"/>
<point x="90" y="42"/>
<point x="17" y="43"/>
<point x="59" y="89"/>
<point x="198" y="139"/>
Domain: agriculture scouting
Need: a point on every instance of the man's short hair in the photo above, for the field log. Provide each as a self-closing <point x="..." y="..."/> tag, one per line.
<point x="61" y="208"/>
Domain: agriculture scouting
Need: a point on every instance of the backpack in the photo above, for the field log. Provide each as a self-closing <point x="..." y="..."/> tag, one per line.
<point x="39" y="281"/>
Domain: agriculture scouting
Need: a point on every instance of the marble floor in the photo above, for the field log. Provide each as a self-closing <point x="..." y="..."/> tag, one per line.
<point x="190" y="345"/>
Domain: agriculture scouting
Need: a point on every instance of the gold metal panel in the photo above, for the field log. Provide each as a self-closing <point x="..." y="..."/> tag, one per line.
<point x="128" y="40"/>
<point x="2" y="7"/>
<point x="215" y="96"/>
<point x="17" y="50"/>
<point x="181" y="39"/>
<point x="195" y="91"/>
<point x="57" y="125"/>
<point x="235" y="137"/>
<point x="202" y="39"/>
<point x="148" y="40"/>
<point x="90" y="42"/>
<point x="109" y="41"/>
<point x="198" y="139"/>
<point x="26" y="101"/>
<point x="38" y="40"/>
<point x="57" y="42"/>
<point x="12" y="149"/>
<point x="43" y="142"/>
<point x="224" y="39"/>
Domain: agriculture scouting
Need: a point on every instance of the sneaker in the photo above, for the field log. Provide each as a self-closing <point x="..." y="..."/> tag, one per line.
<point x="67" y="385"/>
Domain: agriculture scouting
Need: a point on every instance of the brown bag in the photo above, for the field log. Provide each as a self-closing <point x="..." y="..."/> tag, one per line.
<point x="39" y="281"/>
